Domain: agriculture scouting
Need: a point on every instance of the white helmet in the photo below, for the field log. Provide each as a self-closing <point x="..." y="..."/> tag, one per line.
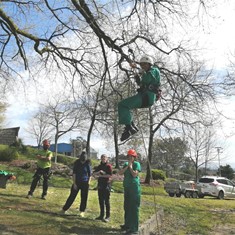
<point x="146" y="59"/>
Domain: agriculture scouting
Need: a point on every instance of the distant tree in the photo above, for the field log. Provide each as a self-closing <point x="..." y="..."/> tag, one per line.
<point x="200" y="138"/>
<point x="227" y="171"/>
<point x="188" y="167"/>
<point x="39" y="128"/>
<point x="169" y="154"/>
<point x="63" y="116"/>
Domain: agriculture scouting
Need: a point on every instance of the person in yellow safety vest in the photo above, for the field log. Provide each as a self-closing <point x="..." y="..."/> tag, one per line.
<point x="132" y="193"/>
<point x="147" y="94"/>
<point x="43" y="170"/>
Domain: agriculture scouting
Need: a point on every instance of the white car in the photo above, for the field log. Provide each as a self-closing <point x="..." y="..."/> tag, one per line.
<point x="216" y="186"/>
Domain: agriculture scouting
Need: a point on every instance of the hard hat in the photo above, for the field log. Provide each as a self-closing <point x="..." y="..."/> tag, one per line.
<point x="132" y="153"/>
<point x="46" y="142"/>
<point x="146" y="59"/>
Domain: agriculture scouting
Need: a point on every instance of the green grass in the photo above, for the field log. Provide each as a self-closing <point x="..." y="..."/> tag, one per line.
<point x="30" y="216"/>
<point x="181" y="215"/>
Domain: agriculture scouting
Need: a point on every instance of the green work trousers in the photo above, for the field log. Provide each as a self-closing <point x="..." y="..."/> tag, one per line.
<point x="140" y="100"/>
<point x="132" y="196"/>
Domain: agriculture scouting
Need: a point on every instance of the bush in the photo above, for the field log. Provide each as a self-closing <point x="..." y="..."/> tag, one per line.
<point x="65" y="159"/>
<point x="158" y="174"/>
<point x="8" y="154"/>
<point x="27" y="165"/>
<point x="21" y="148"/>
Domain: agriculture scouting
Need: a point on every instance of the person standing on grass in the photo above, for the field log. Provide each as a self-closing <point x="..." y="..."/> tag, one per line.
<point x="81" y="179"/>
<point x="43" y="170"/>
<point x="132" y="193"/>
<point x="104" y="174"/>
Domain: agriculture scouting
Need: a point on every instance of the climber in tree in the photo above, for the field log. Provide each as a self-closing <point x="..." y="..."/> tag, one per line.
<point x="149" y="83"/>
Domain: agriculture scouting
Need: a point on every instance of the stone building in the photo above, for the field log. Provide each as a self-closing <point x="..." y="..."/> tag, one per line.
<point x="9" y="136"/>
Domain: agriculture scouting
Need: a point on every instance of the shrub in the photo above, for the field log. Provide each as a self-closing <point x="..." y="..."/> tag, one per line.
<point x="158" y="174"/>
<point x="8" y="154"/>
<point x="65" y="159"/>
<point x="21" y="148"/>
<point x="27" y="165"/>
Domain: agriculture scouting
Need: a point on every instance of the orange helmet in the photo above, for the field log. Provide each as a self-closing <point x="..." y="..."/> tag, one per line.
<point x="132" y="153"/>
<point x="46" y="142"/>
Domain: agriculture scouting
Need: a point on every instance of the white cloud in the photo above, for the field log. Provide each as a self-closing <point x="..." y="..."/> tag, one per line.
<point x="219" y="42"/>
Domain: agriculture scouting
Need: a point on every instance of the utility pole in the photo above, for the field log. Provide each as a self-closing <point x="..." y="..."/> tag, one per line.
<point x="218" y="152"/>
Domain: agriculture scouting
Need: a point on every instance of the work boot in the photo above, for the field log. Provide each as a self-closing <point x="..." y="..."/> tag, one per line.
<point x="106" y="219"/>
<point x="63" y="212"/>
<point x="134" y="126"/>
<point x="125" y="135"/>
<point x="100" y="218"/>
<point x="128" y="131"/>
<point x="124" y="227"/>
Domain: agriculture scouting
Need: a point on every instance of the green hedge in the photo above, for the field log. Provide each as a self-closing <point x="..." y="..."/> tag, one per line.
<point x="8" y="153"/>
<point x="158" y="174"/>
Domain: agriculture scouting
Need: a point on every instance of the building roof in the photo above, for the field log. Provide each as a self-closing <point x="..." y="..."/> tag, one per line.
<point x="65" y="148"/>
<point x="62" y="148"/>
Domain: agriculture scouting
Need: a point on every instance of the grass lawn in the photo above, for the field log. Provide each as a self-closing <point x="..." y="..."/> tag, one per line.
<point x="20" y="215"/>
<point x="36" y="216"/>
<point x="182" y="216"/>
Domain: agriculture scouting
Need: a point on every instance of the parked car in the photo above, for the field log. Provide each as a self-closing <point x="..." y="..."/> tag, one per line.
<point x="216" y="186"/>
<point x="178" y="188"/>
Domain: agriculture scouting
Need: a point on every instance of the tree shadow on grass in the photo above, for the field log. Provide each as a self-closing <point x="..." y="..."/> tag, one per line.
<point x="73" y="224"/>
<point x="6" y="230"/>
<point x="94" y="230"/>
<point x="11" y="195"/>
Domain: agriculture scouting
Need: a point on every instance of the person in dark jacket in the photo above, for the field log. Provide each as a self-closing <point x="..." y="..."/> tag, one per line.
<point x="81" y="178"/>
<point x="104" y="173"/>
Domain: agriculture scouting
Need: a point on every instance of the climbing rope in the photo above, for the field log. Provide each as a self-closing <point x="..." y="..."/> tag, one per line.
<point x="134" y="69"/>
<point x="151" y="175"/>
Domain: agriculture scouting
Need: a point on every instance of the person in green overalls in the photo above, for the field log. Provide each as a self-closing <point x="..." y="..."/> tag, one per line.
<point x="147" y="94"/>
<point x="132" y="193"/>
<point x="43" y="170"/>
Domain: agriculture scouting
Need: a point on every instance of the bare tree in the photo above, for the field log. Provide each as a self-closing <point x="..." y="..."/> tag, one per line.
<point x="64" y="116"/>
<point x="201" y="141"/>
<point x="102" y="31"/>
<point x="188" y="97"/>
<point x="82" y="19"/>
<point x="39" y="128"/>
